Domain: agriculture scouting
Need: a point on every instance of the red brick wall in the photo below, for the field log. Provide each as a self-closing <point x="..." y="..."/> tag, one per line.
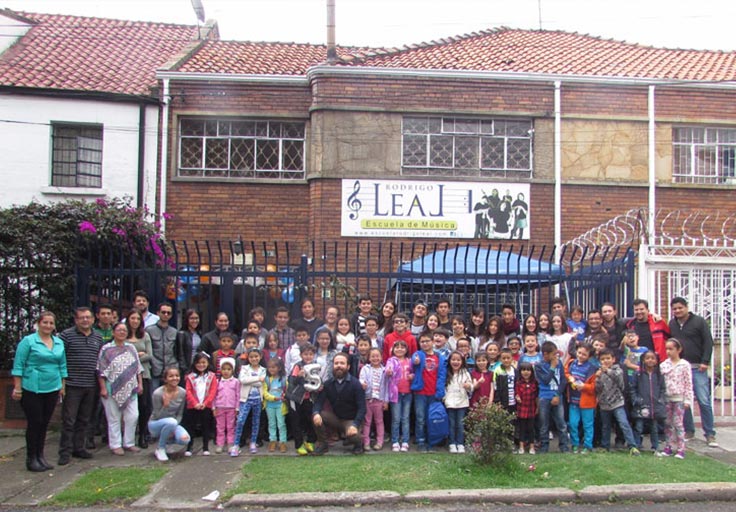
<point x="603" y="100"/>
<point x="240" y="99"/>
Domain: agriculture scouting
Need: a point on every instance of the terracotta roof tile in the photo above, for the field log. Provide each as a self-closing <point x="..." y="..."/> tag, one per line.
<point x="92" y="54"/>
<point x="554" y="52"/>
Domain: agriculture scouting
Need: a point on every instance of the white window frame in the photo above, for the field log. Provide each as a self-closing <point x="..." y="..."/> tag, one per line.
<point x="690" y="159"/>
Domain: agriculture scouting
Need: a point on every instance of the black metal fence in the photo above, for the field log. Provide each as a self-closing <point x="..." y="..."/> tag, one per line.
<point x="236" y="276"/>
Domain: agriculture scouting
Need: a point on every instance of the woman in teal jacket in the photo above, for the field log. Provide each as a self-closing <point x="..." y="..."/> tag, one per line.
<point x="39" y="372"/>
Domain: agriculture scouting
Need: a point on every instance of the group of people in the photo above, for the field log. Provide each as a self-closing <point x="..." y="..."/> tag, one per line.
<point x="362" y="377"/>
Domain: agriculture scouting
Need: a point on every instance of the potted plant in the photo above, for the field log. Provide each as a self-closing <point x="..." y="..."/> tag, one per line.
<point x="723" y="385"/>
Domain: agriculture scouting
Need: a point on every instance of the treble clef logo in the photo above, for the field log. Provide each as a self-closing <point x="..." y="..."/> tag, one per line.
<point x="354" y="203"/>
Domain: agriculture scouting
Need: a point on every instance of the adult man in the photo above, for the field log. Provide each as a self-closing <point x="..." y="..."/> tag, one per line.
<point x="443" y="312"/>
<point x="697" y="348"/>
<point x="418" y="317"/>
<point x="104" y="322"/>
<point x="347" y="399"/>
<point x="82" y="346"/>
<point x="141" y="303"/>
<point x="653" y="333"/>
<point x="163" y="345"/>
<point x="595" y="324"/>
<point x="615" y="328"/>
<point x="98" y="421"/>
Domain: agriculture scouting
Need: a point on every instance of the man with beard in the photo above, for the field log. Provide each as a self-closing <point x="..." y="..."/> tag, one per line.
<point x="347" y="399"/>
<point x="615" y="328"/>
<point x="418" y="317"/>
<point x="595" y="324"/>
<point x="652" y="330"/>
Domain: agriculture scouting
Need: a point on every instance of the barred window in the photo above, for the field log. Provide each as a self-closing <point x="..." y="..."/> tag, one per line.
<point x="450" y="146"/>
<point x="241" y="148"/>
<point x="704" y="155"/>
<point x="76" y="159"/>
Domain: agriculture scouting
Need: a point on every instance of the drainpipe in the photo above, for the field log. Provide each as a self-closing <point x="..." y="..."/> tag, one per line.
<point x="331" y="48"/>
<point x="558" y="170"/>
<point x="164" y="152"/>
<point x="646" y="282"/>
<point x="141" y="153"/>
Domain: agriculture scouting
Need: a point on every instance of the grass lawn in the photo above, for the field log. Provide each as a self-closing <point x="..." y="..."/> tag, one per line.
<point x="410" y="472"/>
<point x="108" y="485"/>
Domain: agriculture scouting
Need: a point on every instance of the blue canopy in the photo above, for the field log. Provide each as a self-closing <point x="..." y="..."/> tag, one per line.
<point x="469" y="265"/>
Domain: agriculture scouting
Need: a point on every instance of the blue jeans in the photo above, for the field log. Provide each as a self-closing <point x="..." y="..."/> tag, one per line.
<point x="606" y="419"/>
<point x="556" y="413"/>
<point x="400" y="412"/>
<point x="587" y="418"/>
<point x="167" y="430"/>
<point x="457" y="425"/>
<point x="253" y="404"/>
<point x="421" y="405"/>
<point x="654" y="427"/>
<point x="701" y="389"/>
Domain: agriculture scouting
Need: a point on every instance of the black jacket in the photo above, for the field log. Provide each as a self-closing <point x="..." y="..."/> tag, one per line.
<point x="347" y="400"/>
<point x="648" y="391"/>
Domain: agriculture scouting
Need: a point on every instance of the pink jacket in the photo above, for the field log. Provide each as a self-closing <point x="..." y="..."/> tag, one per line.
<point x="228" y="394"/>
<point x="678" y="381"/>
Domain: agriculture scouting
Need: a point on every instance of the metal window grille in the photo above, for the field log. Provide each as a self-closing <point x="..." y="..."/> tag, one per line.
<point x="460" y="147"/>
<point x="242" y="148"/>
<point x="704" y="155"/>
<point x="76" y="155"/>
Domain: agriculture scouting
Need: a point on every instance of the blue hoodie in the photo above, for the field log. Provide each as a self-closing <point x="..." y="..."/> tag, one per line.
<point x="418" y="383"/>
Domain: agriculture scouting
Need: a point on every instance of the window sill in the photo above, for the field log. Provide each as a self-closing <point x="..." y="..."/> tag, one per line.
<point x="74" y="191"/>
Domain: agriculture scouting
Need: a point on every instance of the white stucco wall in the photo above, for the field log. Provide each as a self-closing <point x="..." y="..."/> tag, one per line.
<point x="25" y="148"/>
<point x="12" y="30"/>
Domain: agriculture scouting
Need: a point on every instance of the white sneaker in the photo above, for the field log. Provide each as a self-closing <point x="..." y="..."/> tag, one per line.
<point x="395" y="447"/>
<point x="404" y="447"/>
<point x="218" y="449"/>
<point x="206" y="453"/>
<point x="453" y="448"/>
<point x="461" y="448"/>
<point x="187" y="453"/>
<point x="160" y="454"/>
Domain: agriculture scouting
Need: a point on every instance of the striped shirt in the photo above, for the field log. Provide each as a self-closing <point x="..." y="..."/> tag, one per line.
<point x="81" y="357"/>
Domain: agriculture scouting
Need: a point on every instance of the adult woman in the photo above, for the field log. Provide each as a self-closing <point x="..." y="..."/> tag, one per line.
<point x="494" y="332"/>
<point x="544" y="328"/>
<point x="308" y="320"/>
<point x="211" y="340"/>
<point x="385" y="319"/>
<point x="141" y="341"/>
<point x="188" y="339"/>
<point x="39" y="371"/>
<point x="530" y="326"/>
<point x="432" y="323"/>
<point x="168" y="408"/>
<point x="477" y="324"/>
<point x="559" y="335"/>
<point x="119" y="374"/>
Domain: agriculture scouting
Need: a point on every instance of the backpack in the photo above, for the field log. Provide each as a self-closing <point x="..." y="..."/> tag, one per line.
<point x="438" y="424"/>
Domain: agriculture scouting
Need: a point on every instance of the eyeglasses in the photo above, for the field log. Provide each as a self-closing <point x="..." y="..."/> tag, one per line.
<point x="164" y="312"/>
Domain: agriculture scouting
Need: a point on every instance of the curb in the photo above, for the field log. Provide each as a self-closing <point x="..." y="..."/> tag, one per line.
<point x="711" y="491"/>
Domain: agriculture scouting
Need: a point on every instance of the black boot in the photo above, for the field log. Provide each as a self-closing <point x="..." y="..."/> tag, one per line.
<point x="44" y="463"/>
<point x="32" y="464"/>
<point x="142" y="443"/>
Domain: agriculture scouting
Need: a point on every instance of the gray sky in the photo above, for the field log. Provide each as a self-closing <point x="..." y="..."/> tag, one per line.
<point x="704" y="24"/>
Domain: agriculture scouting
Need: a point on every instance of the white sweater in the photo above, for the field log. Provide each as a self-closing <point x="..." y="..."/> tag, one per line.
<point x="456" y="396"/>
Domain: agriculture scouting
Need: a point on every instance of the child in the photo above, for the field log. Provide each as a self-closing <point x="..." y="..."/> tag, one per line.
<point x="576" y="324"/>
<point x="226" y="404"/>
<point x="201" y="386"/>
<point x="531" y="347"/>
<point x="225" y="350"/>
<point x="609" y="390"/>
<point x="458" y="331"/>
<point x="441" y="338"/>
<point x="325" y="353"/>
<point x="376" y="399"/>
<point x="371" y="330"/>
<point x="527" y="392"/>
<point x="678" y="395"/>
<point x="250" y="342"/>
<point x="463" y="346"/>
<point x="504" y="381"/>
<point x="357" y="323"/>
<point x="580" y="375"/>
<point x="598" y="344"/>
<point x="284" y="333"/>
<point x="560" y="336"/>
<point x="293" y="354"/>
<point x="632" y="353"/>
<point x="430" y="372"/>
<point x="255" y="328"/>
<point x="648" y="400"/>
<point x="493" y="350"/>
<point x="300" y="404"/>
<point x="274" y="392"/>
<point x="482" y="380"/>
<point x="400" y="332"/>
<point x="551" y="381"/>
<point x="344" y="337"/>
<point x="399" y="374"/>
<point x="514" y="344"/>
<point x="360" y="358"/>
<point x="251" y="379"/>
<point x="272" y="350"/>
<point x="458" y="388"/>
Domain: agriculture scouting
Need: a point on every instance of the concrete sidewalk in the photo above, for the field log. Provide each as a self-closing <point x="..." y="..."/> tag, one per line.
<point x="190" y="479"/>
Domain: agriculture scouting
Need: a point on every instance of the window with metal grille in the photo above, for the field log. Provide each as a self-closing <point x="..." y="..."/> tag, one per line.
<point x="704" y="155"/>
<point x="453" y="146"/>
<point x="76" y="156"/>
<point x="241" y="148"/>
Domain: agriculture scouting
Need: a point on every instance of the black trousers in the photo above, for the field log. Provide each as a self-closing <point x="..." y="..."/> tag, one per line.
<point x="38" y="408"/>
<point x="145" y="408"/>
<point x="203" y="419"/>
<point x="76" y="412"/>
<point x="300" y="421"/>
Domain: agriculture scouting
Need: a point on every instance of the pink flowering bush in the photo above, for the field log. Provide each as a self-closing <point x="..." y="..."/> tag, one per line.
<point x="489" y="431"/>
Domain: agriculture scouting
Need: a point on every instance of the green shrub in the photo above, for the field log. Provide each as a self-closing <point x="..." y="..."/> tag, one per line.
<point x="489" y="431"/>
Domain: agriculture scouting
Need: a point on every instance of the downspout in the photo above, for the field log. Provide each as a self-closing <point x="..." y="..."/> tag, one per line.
<point x="164" y="153"/>
<point x="643" y="278"/>
<point x="141" y="153"/>
<point x="558" y="170"/>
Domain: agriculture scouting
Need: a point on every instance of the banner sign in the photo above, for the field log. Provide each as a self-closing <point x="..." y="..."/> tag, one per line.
<point x="437" y="209"/>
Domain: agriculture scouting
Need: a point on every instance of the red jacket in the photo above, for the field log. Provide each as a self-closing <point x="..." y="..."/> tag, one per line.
<point x="393" y="337"/>
<point x="210" y="390"/>
<point x="660" y="333"/>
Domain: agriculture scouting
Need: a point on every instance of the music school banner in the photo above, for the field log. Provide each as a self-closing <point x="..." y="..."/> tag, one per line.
<point x="435" y="209"/>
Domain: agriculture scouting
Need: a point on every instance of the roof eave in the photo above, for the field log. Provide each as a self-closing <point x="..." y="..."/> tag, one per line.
<point x="233" y="77"/>
<point x="322" y="70"/>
